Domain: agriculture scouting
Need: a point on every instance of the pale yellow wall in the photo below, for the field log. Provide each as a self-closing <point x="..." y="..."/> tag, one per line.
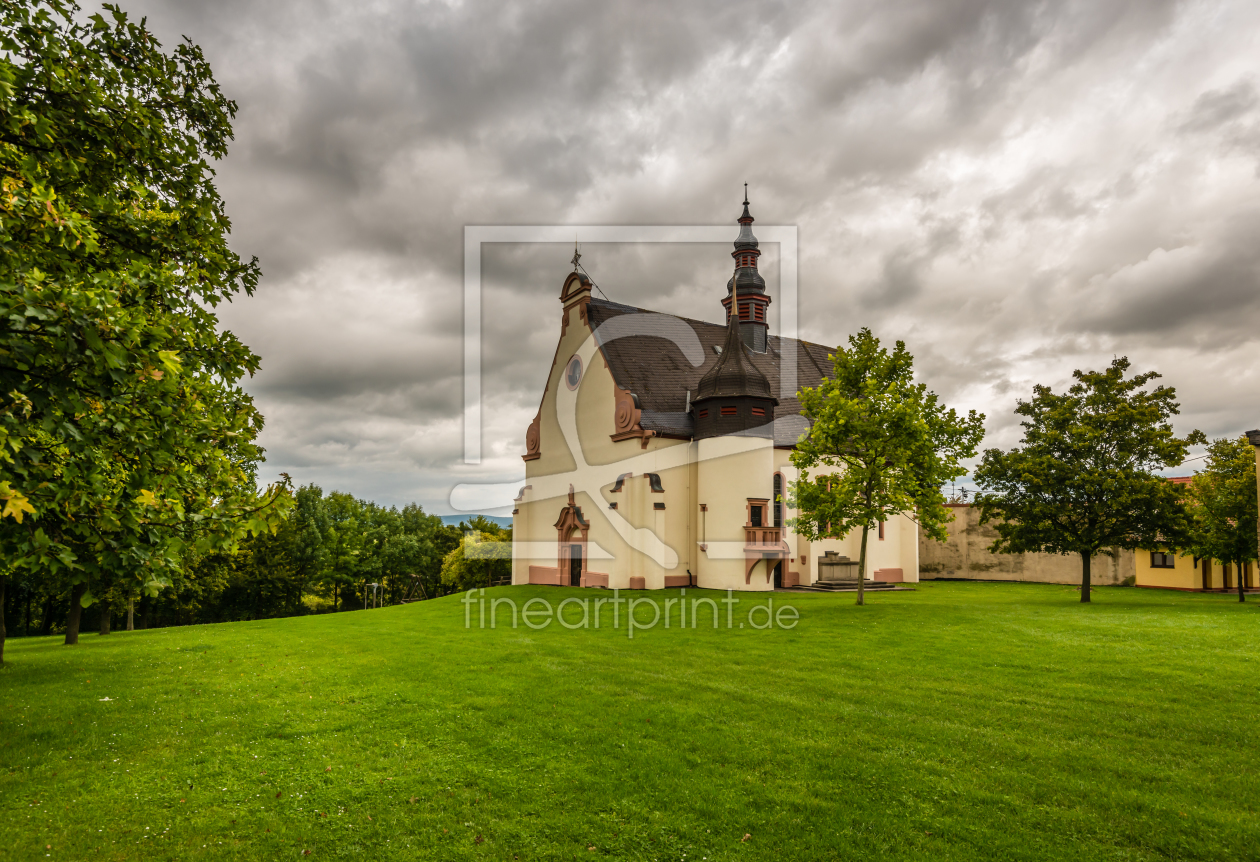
<point x="730" y="470"/>
<point x="909" y="532"/>
<point x="1186" y="575"/>
<point x="966" y="555"/>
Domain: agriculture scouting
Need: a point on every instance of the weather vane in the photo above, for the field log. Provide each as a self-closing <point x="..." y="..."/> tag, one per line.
<point x="577" y="257"/>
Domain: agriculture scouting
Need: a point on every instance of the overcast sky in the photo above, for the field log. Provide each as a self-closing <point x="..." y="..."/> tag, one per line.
<point x="1014" y="189"/>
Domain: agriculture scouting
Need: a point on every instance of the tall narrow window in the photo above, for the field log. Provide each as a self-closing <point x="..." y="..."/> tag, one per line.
<point x="778" y="504"/>
<point x="881" y="531"/>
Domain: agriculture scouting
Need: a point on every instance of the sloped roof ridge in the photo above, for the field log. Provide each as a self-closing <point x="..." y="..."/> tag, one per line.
<point x="691" y="320"/>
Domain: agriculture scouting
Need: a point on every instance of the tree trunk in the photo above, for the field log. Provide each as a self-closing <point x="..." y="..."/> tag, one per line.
<point x="3" y="578"/>
<point x="131" y="615"/>
<point x="106" y="616"/>
<point x="861" y="600"/>
<point x="1086" y="559"/>
<point x="45" y="622"/>
<point x="1238" y="567"/>
<point x="27" y="631"/>
<point x="76" y="613"/>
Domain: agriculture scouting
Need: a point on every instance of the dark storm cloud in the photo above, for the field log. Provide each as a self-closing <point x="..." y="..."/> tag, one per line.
<point x="1016" y="189"/>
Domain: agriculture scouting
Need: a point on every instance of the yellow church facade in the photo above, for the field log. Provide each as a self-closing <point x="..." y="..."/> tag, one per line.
<point x="660" y="453"/>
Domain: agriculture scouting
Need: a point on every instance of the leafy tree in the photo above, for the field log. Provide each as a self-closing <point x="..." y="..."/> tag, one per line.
<point x="344" y="540"/>
<point x="880" y="444"/>
<point x="407" y="556"/>
<point x="125" y="439"/>
<point x="1222" y="502"/>
<point x="4" y="577"/>
<point x="309" y="537"/>
<point x="482" y="556"/>
<point x="1083" y="478"/>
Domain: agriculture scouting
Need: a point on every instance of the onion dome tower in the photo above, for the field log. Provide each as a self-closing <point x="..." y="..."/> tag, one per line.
<point x="747" y="289"/>
<point x="733" y="396"/>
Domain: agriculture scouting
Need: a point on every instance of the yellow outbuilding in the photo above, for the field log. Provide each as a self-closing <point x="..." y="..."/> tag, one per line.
<point x="1176" y="571"/>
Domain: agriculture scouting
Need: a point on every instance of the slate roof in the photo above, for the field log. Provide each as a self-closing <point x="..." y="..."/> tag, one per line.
<point x="651" y="364"/>
<point x="733" y="374"/>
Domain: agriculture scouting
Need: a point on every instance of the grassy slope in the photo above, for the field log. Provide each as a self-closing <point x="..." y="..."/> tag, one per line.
<point x="960" y="721"/>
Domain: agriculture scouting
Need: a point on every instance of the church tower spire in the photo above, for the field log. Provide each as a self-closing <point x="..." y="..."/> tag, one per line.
<point x="734" y="396"/>
<point x="746" y="291"/>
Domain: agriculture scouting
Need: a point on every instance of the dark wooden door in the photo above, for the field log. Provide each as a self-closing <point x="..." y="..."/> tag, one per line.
<point x="575" y="565"/>
<point x="778" y="575"/>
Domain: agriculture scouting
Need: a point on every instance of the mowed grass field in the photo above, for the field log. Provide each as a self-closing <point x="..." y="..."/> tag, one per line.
<point x="958" y="721"/>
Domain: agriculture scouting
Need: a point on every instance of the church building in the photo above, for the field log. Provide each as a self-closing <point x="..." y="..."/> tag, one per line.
<point x="659" y="456"/>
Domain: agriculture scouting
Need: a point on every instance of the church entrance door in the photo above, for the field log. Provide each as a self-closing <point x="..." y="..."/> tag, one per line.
<point x="575" y="565"/>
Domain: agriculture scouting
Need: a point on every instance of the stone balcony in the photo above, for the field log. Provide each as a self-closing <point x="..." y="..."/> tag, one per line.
<point x="763" y="543"/>
<point x="756" y="537"/>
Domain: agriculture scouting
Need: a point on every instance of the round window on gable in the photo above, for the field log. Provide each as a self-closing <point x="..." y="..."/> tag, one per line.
<point x="573" y="374"/>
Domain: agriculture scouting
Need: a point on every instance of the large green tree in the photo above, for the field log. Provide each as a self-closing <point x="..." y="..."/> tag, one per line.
<point x="1223" y="510"/>
<point x="879" y="445"/>
<point x="1083" y="478"/>
<point x="309" y="537"/>
<point x="482" y="557"/>
<point x="125" y="439"/>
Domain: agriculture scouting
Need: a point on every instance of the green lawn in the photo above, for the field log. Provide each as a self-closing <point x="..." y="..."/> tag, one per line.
<point x="958" y="721"/>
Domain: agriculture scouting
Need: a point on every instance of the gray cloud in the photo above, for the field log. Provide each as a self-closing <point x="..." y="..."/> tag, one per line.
<point x="1016" y="189"/>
